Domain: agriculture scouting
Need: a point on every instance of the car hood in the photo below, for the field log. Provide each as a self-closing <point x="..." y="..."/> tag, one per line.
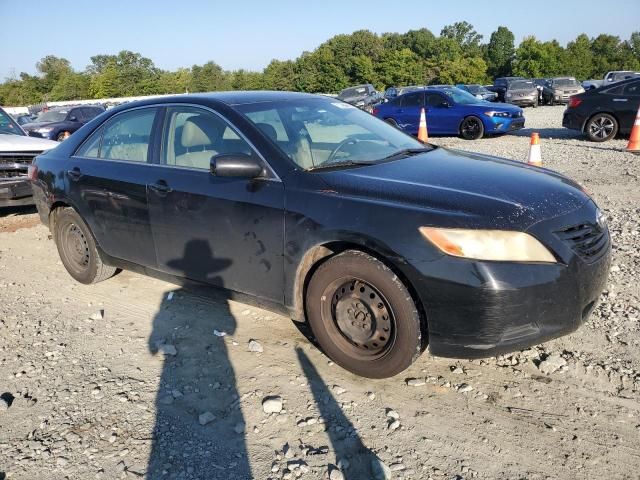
<point x="20" y="143"/>
<point x="34" y="125"/>
<point x="491" y="106"/>
<point x="459" y="189"/>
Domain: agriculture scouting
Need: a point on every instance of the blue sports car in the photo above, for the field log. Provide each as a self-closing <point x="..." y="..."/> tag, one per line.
<point x="450" y="111"/>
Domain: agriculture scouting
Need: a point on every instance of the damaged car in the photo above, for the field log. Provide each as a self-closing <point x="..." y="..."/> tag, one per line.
<point x="17" y="150"/>
<point x="313" y="208"/>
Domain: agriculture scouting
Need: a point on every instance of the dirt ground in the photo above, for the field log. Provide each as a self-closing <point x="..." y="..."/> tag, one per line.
<point x="138" y="378"/>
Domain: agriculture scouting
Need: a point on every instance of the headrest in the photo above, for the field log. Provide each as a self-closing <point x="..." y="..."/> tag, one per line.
<point x="268" y="130"/>
<point x="199" y="130"/>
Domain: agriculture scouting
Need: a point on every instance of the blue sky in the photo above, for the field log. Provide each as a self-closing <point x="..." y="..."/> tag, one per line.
<point x="249" y="33"/>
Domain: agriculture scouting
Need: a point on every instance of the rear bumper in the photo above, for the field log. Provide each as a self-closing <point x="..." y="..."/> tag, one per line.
<point x="480" y="309"/>
<point x="572" y="120"/>
<point x="15" y="191"/>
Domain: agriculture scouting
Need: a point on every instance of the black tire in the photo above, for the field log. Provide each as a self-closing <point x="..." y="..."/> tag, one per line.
<point x="471" y="128"/>
<point x="535" y="104"/>
<point x="77" y="249"/>
<point x="551" y="101"/>
<point x="363" y="316"/>
<point x="601" y="127"/>
<point x="60" y="136"/>
<point x="391" y="122"/>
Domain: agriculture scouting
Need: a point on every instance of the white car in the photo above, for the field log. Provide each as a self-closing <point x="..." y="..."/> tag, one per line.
<point x="17" y="150"/>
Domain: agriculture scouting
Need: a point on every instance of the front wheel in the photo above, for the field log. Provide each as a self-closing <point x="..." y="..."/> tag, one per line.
<point x="363" y="316"/>
<point x="471" y="128"/>
<point x="77" y="249"/>
<point x="602" y="127"/>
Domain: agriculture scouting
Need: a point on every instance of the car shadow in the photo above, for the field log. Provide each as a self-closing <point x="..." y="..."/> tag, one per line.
<point x="199" y="427"/>
<point x="554" y="133"/>
<point x="16" y="211"/>
<point x="343" y="436"/>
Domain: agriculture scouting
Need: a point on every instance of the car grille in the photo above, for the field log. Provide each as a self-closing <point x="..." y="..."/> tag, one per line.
<point x="587" y="240"/>
<point x="15" y="163"/>
<point x="517" y="115"/>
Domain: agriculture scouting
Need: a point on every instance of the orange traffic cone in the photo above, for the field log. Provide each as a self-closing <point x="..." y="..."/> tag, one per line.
<point x="423" y="136"/>
<point x="634" y="139"/>
<point x="535" y="155"/>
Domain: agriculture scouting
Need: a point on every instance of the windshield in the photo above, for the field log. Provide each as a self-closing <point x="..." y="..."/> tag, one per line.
<point x="52" y="116"/>
<point x="318" y="132"/>
<point x="521" y="85"/>
<point x="460" y="96"/>
<point x="565" y="82"/>
<point x="7" y="125"/>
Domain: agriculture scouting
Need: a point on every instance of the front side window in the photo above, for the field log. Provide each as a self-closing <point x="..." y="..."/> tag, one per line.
<point x="127" y="136"/>
<point x="193" y="135"/>
<point x="323" y="132"/>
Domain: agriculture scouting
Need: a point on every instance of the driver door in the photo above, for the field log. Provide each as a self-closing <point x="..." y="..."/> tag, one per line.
<point x="224" y="231"/>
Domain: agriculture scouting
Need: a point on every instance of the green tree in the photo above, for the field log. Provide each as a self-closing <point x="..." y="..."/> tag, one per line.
<point x="208" y="78"/>
<point x="280" y="75"/>
<point x="464" y="35"/>
<point x="535" y="59"/>
<point x="500" y="52"/>
<point x="579" y="58"/>
<point x="400" y="67"/>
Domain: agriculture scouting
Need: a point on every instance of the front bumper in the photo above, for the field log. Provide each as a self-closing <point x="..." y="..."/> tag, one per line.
<point x="503" y="124"/>
<point x="478" y="309"/>
<point x="15" y="191"/>
<point x="523" y="101"/>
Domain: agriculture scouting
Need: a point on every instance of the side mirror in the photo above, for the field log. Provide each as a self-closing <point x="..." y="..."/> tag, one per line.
<point x="238" y="165"/>
<point x="73" y="118"/>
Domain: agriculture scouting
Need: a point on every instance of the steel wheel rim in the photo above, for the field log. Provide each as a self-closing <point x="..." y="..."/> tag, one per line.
<point x="363" y="320"/>
<point x="602" y="127"/>
<point x="470" y="127"/>
<point x="75" y="247"/>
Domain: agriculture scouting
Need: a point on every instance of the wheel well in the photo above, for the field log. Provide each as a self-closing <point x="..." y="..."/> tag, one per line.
<point x="53" y="213"/>
<point x="317" y="255"/>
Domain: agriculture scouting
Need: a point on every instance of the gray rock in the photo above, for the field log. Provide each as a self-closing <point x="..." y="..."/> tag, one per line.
<point x="394" y="425"/>
<point x="272" y="404"/>
<point x="338" y="390"/>
<point x="336" y="474"/>
<point x="99" y="315"/>
<point x="552" y="363"/>
<point x="167" y="349"/>
<point x="464" y="388"/>
<point x="380" y="470"/>
<point x="239" y="427"/>
<point x="206" y="417"/>
<point x="415" y="382"/>
<point x="255" y="346"/>
<point x="4" y="404"/>
<point x="392" y="414"/>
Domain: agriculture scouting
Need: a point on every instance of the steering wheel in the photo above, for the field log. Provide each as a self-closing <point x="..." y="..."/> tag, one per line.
<point x="341" y="145"/>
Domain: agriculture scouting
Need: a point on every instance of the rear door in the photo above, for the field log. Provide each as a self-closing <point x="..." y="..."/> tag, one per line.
<point x="627" y="104"/>
<point x="224" y="231"/>
<point x="107" y="182"/>
<point x="408" y="115"/>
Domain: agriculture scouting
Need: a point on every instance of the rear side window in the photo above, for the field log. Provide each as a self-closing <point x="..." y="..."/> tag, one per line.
<point x="91" y="147"/>
<point x="127" y="136"/>
<point x="412" y="100"/>
<point x="632" y="89"/>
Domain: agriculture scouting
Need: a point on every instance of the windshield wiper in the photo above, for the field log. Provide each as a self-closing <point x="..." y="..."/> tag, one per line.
<point x="346" y="163"/>
<point x="407" y="152"/>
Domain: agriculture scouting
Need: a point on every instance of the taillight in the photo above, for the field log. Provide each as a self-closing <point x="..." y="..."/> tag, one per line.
<point x="574" y="102"/>
<point x="32" y="172"/>
<point x="375" y="110"/>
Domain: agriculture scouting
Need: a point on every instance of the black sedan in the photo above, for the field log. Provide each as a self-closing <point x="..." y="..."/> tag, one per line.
<point x="323" y="212"/>
<point x="604" y="112"/>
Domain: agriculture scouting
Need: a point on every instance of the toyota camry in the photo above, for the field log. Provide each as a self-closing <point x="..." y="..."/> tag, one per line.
<point x="322" y="212"/>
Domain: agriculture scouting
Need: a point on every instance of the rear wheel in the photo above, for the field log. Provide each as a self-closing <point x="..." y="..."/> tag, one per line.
<point x="471" y="128"/>
<point x="77" y="249"/>
<point x="363" y="316"/>
<point x="61" y="136"/>
<point x="602" y="127"/>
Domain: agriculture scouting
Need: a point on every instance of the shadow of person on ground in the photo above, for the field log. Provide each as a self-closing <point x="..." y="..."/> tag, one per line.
<point x="197" y="377"/>
<point x="344" y="438"/>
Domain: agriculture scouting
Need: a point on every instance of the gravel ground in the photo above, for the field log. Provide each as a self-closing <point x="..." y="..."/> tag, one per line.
<point x="138" y="378"/>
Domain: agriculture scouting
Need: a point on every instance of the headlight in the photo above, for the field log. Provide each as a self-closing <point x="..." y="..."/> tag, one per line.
<point x="496" y="245"/>
<point x="44" y="129"/>
<point x="497" y="114"/>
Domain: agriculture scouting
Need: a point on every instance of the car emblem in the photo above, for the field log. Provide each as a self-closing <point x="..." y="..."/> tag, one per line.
<point x="601" y="220"/>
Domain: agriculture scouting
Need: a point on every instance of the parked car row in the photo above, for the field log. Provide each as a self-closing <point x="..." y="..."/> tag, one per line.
<point x="60" y="122"/>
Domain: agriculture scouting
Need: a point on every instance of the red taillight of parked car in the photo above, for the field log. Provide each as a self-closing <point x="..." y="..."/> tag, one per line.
<point x="574" y="102"/>
<point x="32" y="172"/>
<point x="375" y="110"/>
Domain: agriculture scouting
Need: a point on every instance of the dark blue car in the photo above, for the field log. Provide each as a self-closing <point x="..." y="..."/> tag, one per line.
<point x="60" y="122"/>
<point x="450" y="111"/>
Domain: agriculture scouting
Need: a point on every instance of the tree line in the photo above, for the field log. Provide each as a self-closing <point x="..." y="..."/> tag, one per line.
<point x="457" y="55"/>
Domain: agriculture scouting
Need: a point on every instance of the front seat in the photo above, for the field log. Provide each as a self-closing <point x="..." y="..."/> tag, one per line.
<point x="199" y="136"/>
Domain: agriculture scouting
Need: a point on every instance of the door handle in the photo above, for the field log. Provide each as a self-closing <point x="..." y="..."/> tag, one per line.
<point x="161" y="188"/>
<point x="620" y="99"/>
<point x="74" y="174"/>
